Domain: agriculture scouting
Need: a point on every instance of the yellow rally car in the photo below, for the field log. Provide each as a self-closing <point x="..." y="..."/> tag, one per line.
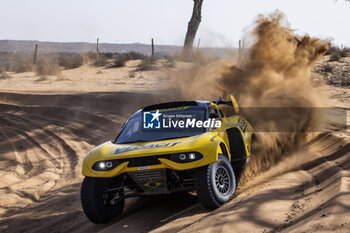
<point x="166" y="148"/>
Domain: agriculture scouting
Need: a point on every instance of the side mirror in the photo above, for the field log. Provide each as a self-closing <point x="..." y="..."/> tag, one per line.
<point x="214" y="115"/>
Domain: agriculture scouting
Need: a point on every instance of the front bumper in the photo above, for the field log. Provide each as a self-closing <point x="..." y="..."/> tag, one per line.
<point x="152" y="155"/>
<point x="147" y="163"/>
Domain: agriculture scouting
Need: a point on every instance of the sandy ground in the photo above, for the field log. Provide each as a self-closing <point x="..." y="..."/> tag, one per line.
<point x="47" y="126"/>
<point x="92" y="79"/>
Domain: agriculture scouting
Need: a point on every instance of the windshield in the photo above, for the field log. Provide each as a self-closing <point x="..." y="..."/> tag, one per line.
<point x="162" y="124"/>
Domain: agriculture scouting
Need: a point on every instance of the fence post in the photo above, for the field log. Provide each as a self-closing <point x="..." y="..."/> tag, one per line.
<point x="239" y="49"/>
<point x="35" y="53"/>
<point x="152" y="47"/>
<point x="97" y="52"/>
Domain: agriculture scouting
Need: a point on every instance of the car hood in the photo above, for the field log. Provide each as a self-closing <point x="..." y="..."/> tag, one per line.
<point x="110" y="150"/>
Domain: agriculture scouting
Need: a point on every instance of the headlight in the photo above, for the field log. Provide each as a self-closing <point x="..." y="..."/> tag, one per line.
<point x="186" y="157"/>
<point x="105" y="165"/>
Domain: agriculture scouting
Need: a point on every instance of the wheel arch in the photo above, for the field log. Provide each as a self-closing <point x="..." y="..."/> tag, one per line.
<point x="237" y="145"/>
<point x="224" y="150"/>
<point x="253" y="141"/>
<point x="238" y="151"/>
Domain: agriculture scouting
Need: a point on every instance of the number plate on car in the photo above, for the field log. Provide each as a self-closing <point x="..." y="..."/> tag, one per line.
<point x="144" y="168"/>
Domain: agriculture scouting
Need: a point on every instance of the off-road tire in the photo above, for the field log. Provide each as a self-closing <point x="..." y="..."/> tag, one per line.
<point x="238" y="152"/>
<point x="93" y="204"/>
<point x="206" y="187"/>
<point x="236" y="142"/>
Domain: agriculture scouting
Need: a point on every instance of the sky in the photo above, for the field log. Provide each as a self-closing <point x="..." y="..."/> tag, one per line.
<point x="224" y="22"/>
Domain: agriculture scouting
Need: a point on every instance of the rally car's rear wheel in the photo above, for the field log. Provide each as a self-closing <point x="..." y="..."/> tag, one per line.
<point x="215" y="183"/>
<point x="101" y="199"/>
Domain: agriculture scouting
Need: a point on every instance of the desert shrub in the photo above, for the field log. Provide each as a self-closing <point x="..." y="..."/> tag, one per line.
<point x="170" y="62"/>
<point x="118" y="62"/>
<point x="337" y="53"/>
<point x="132" y="56"/>
<point x="91" y="58"/>
<point x="60" y="77"/>
<point x="102" y="61"/>
<point x="120" y="59"/>
<point x="24" y="66"/>
<point x="132" y="74"/>
<point x="20" y="65"/>
<point x="4" y="75"/>
<point x="17" y="62"/>
<point x="327" y="68"/>
<point x="47" y="67"/>
<point x="70" y="60"/>
<point x="146" y="64"/>
<point x="108" y="55"/>
<point x="41" y="79"/>
<point x="345" y="52"/>
<point x="332" y="49"/>
<point x="20" y="62"/>
<point x="161" y="54"/>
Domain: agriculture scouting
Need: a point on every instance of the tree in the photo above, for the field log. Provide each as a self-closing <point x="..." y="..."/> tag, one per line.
<point x="192" y="28"/>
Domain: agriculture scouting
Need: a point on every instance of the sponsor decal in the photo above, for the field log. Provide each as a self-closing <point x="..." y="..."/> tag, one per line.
<point x="144" y="168"/>
<point x="152" y="184"/>
<point x="148" y="146"/>
<point x="242" y="124"/>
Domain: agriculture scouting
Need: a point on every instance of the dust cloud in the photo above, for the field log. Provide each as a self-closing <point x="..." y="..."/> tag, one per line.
<point x="274" y="74"/>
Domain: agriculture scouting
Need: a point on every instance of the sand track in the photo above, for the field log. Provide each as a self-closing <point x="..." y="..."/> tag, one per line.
<point x="300" y="195"/>
<point x="43" y="138"/>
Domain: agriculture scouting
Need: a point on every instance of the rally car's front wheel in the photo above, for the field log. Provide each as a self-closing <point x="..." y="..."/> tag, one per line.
<point x="101" y="199"/>
<point x="215" y="183"/>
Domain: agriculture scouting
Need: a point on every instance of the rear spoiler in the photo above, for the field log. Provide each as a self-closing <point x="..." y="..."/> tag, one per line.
<point x="232" y="103"/>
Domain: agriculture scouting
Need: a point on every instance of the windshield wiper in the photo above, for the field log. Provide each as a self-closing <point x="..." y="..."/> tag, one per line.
<point x="175" y="137"/>
<point x="132" y="141"/>
<point x="160" y="139"/>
